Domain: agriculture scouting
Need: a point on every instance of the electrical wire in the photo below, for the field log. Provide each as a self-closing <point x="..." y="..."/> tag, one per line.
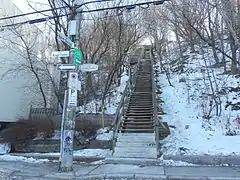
<point x="35" y="12"/>
<point x="88" y="11"/>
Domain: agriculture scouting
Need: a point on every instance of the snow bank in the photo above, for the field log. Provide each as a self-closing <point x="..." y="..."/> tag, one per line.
<point x="104" y="134"/>
<point x="86" y="153"/>
<point x="93" y="152"/>
<point x="8" y="157"/>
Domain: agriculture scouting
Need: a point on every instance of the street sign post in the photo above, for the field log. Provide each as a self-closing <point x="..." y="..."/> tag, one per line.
<point x="60" y="54"/>
<point x="66" y="67"/>
<point x="88" y="67"/>
<point x="77" y="56"/>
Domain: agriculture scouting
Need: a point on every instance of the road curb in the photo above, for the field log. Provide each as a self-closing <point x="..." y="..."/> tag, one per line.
<point x="205" y="159"/>
<point x="175" y="177"/>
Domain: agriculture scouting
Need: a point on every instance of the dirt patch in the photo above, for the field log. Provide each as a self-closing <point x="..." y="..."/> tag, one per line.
<point x="22" y="133"/>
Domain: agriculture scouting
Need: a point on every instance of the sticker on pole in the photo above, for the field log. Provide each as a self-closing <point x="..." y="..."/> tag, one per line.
<point x="73" y="82"/>
<point x="88" y="67"/>
<point x="72" y="98"/>
<point x="68" y="142"/>
<point x="77" y="56"/>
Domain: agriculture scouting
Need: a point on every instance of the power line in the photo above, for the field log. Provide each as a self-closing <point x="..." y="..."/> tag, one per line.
<point x="35" y="12"/>
<point x="128" y="7"/>
<point x="46" y="10"/>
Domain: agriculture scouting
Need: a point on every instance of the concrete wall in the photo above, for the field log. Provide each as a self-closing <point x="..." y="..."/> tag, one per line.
<point x="18" y="87"/>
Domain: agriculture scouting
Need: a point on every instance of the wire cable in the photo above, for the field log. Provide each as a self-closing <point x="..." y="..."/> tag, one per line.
<point x="88" y="11"/>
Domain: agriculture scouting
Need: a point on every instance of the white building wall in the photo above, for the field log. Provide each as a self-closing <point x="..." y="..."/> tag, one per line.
<point x="18" y="88"/>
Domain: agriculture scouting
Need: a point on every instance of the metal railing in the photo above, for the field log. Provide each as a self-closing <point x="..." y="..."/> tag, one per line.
<point x="40" y="114"/>
<point x="120" y="111"/>
<point x="155" y="109"/>
<point x="123" y="105"/>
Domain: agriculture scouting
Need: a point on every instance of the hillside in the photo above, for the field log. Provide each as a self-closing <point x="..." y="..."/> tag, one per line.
<point x="201" y="106"/>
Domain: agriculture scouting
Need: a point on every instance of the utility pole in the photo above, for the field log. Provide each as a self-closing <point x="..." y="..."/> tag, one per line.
<point x="70" y="104"/>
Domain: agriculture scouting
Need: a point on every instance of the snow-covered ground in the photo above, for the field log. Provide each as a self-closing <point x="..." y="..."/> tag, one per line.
<point x="8" y="157"/>
<point x="112" y="101"/>
<point x="104" y="134"/>
<point x="187" y="103"/>
<point x="79" y="153"/>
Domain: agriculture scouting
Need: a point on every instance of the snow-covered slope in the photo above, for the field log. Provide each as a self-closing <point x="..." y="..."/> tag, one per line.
<point x="187" y="105"/>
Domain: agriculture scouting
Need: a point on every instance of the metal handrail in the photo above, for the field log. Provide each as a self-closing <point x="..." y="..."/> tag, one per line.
<point x="119" y="112"/>
<point x="123" y="105"/>
<point x="155" y="109"/>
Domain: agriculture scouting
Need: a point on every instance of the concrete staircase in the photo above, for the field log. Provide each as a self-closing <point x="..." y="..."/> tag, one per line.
<point x="135" y="145"/>
<point x="136" y="137"/>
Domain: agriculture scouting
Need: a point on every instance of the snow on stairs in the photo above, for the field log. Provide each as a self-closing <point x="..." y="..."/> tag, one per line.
<point x="135" y="145"/>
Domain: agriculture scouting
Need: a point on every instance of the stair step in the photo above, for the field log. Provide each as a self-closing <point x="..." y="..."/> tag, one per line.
<point x="133" y="156"/>
<point x="135" y="141"/>
<point x="141" y="93"/>
<point x="142" y="111"/>
<point x="136" y="127"/>
<point x="136" y="130"/>
<point x="140" y="101"/>
<point x="141" y="108"/>
<point x="138" y="118"/>
<point x="138" y="123"/>
<point x="143" y="104"/>
<point x="139" y="113"/>
<point x="137" y="135"/>
<point x="136" y="152"/>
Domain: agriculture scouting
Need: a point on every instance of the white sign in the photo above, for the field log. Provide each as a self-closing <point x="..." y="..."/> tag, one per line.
<point x="72" y="98"/>
<point x="60" y="54"/>
<point x="72" y="30"/>
<point x="88" y="67"/>
<point x="73" y="82"/>
<point x="66" y="40"/>
<point x="66" y="67"/>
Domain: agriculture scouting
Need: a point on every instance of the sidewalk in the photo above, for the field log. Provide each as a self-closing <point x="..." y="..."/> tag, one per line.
<point x="48" y="171"/>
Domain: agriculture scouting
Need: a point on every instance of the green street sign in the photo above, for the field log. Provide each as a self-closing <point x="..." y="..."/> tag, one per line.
<point x="78" y="55"/>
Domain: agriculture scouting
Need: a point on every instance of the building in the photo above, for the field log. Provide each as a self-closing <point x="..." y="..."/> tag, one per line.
<point x="26" y="69"/>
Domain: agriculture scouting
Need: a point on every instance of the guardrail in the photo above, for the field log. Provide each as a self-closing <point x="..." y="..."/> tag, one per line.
<point x="155" y="109"/>
<point x="120" y="111"/>
<point x="123" y="104"/>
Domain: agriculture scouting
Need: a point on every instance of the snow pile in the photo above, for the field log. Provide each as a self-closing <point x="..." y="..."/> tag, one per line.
<point x="85" y="153"/>
<point x="104" y="134"/>
<point x="8" y="157"/>
<point x="187" y="105"/>
<point x="5" y="148"/>
<point x="93" y="153"/>
<point x="176" y="163"/>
